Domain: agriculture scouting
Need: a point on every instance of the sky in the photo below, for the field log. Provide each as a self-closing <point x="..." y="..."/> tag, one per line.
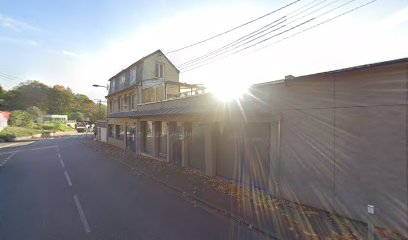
<point x="79" y="43"/>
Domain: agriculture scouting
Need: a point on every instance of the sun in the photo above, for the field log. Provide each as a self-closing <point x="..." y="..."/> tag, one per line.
<point x="228" y="92"/>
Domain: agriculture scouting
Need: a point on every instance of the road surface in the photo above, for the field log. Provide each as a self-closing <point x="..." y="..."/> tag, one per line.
<point x="61" y="189"/>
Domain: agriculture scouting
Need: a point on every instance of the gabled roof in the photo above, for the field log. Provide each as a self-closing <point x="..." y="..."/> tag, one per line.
<point x="142" y="59"/>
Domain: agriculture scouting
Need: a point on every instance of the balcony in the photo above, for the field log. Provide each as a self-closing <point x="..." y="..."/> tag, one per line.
<point x="160" y="90"/>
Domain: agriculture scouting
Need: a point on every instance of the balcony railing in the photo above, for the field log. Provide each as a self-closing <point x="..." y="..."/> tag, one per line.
<point x="159" y="90"/>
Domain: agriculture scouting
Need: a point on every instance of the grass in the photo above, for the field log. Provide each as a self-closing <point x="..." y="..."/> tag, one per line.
<point x="53" y="127"/>
<point x="12" y="132"/>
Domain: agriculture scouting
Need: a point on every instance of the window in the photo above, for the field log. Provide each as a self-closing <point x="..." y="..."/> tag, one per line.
<point x="110" y="106"/>
<point x="120" y="132"/>
<point x="122" y="80"/>
<point x="133" y="100"/>
<point x="159" y="70"/>
<point x="117" y="84"/>
<point x="149" y="95"/>
<point x="125" y="102"/>
<point x="147" y="137"/>
<point x="160" y="93"/>
<point x="119" y="103"/>
<point x="112" y="87"/>
<point x="110" y="130"/>
<point x="133" y="72"/>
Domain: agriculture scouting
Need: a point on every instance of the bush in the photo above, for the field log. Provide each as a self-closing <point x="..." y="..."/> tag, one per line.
<point x="12" y="132"/>
<point x="21" y="118"/>
<point x="54" y="127"/>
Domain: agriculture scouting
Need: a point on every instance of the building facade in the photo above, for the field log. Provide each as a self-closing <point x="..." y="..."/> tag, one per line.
<point x="335" y="140"/>
<point x="53" y="118"/>
<point x="4" y="118"/>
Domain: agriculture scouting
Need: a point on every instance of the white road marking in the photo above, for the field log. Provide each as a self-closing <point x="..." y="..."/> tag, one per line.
<point x="28" y="149"/>
<point x="68" y="179"/>
<point x="4" y="153"/>
<point x="62" y="163"/>
<point x="11" y="155"/>
<point x="82" y="215"/>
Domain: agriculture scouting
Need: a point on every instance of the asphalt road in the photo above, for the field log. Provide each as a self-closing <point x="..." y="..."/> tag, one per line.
<point x="61" y="189"/>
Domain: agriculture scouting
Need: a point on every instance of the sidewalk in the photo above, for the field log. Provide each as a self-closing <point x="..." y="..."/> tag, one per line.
<point x="253" y="208"/>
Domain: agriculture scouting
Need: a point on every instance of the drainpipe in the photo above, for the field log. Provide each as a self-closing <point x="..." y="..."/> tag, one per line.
<point x="278" y="157"/>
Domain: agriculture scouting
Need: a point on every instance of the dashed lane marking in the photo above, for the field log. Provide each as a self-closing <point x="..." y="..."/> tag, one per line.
<point x="68" y="179"/>
<point x="82" y="216"/>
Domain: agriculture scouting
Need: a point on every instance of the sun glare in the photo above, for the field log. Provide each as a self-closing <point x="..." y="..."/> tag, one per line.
<point x="228" y="92"/>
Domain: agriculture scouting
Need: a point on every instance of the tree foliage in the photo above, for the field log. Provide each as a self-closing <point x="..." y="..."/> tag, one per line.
<point x="38" y="98"/>
<point x="78" y="116"/>
<point x="35" y="112"/>
<point x="21" y="118"/>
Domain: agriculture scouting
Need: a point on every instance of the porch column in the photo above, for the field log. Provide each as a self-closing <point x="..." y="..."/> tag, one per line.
<point x="170" y="141"/>
<point x="125" y="136"/>
<point x="138" y="138"/>
<point x="184" y="146"/>
<point x="156" y="135"/>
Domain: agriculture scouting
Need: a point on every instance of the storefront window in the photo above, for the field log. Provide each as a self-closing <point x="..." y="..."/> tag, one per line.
<point x="120" y="132"/>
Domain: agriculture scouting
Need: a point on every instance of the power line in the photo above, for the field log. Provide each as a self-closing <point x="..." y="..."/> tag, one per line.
<point x="232" y="29"/>
<point x="10" y="78"/>
<point x="243" y="38"/>
<point x="307" y="29"/>
<point x="228" y="48"/>
<point x="280" y="33"/>
<point x="326" y="21"/>
<point x="254" y="33"/>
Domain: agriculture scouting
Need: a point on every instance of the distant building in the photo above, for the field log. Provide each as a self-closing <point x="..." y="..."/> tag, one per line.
<point x="4" y="117"/>
<point x="53" y="118"/>
<point x="101" y="131"/>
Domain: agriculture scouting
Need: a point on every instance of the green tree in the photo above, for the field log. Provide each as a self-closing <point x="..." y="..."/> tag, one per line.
<point x="3" y="102"/>
<point x="99" y="113"/>
<point x="78" y="116"/>
<point x="27" y="93"/>
<point x="62" y="100"/>
<point x="35" y="112"/>
<point x="20" y="118"/>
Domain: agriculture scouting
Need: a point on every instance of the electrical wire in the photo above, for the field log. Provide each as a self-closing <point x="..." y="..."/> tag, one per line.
<point x="243" y="38"/>
<point x="307" y="29"/>
<point x="9" y="78"/>
<point x="227" y="47"/>
<point x="326" y="21"/>
<point x="232" y="29"/>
